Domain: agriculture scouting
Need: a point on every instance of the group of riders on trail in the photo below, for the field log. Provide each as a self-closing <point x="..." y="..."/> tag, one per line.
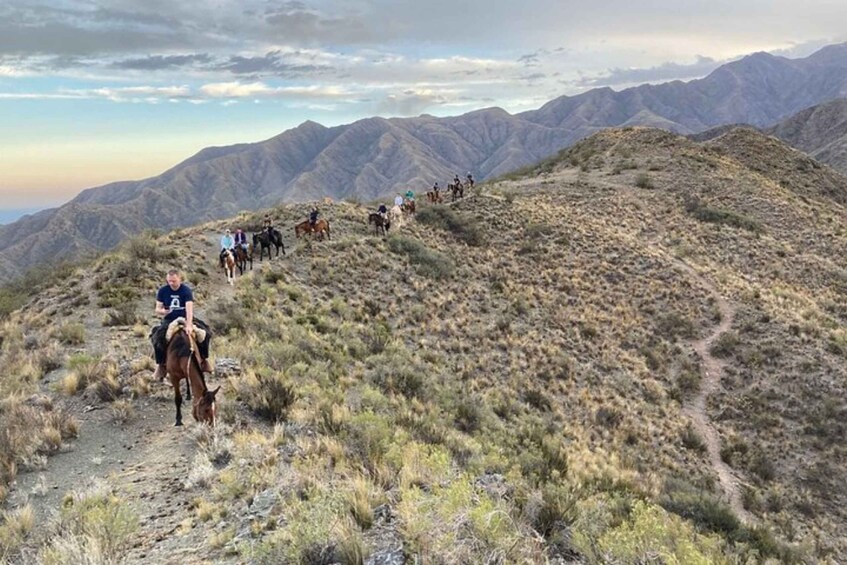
<point x="175" y="306"/>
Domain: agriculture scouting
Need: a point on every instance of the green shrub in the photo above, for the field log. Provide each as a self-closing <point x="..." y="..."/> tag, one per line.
<point x="463" y="227"/>
<point x="696" y="208"/>
<point x="72" y="333"/>
<point x="643" y="180"/>
<point x="726" y="345"/>
<point x="270" y="397"/>
<point x="94" y="526"/>
<point x="431" y="263"/>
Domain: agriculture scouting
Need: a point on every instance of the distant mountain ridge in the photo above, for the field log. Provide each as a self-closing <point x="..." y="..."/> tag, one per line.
<point x="374" y="157"/>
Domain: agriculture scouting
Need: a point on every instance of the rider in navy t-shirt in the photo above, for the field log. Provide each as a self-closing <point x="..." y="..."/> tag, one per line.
<point x="175" y="300"/>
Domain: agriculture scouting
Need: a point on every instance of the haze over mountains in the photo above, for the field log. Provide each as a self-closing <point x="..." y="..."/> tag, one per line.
<point x="375" y="157"/>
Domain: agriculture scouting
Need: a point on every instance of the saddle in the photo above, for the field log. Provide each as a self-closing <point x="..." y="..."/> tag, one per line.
<point x="174" y="326"/>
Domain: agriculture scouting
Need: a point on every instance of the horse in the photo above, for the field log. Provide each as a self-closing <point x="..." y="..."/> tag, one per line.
<point x="395" y="215"/>
<point x="434" y="196"/>
<point x="380" y="223"/>
<point x="457" y="190"/>
<point x="321" y="227"/>
<point x="182" y="362"/>
<point x="409" y="207"/>
<point x="244" y="256"/>
<point x="229" y="266"/>
<point x="262" y="241"/>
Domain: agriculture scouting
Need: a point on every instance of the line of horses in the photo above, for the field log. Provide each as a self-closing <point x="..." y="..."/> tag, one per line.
<point x="268" y="241"/>
<point x="456" y="190"/>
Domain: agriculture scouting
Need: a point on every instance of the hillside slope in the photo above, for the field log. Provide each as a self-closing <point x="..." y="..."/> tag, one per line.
<point x="376" y="157"/>
<point x="820" y="131"/>
<point x="634" y="351"/>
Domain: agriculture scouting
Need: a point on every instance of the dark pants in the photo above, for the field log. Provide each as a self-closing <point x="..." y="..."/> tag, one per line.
<point x="160" y="348"/>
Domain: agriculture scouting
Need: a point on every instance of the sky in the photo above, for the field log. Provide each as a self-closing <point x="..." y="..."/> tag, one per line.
<point x="98" y="91"/>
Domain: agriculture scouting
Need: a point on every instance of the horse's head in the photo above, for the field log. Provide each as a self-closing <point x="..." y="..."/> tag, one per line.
<point x="206" y="410"/>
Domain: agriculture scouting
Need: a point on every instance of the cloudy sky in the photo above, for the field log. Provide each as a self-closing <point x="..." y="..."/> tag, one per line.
<point x="93" y="91"/>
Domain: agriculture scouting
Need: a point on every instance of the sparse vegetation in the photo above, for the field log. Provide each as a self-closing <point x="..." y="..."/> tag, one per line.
<point x="701" y="211"/>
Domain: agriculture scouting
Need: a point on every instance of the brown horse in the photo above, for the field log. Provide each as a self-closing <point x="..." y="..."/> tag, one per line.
<point x="457" y="190"/>
<point x="182" y="362"/>
<point x="321" y="227"/>
<point x="435" y="196"/>
<point x="242" y="257"/>
<point x="381" y="224"/>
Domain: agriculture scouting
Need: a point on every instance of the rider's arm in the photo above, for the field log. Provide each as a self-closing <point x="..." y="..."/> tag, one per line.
<point x="161" y="311"/>
<point x="189" y="315"/>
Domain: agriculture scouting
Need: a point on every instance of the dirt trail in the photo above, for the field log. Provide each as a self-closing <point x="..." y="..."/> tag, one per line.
<point x="147" y="460"/>
<point x="712" y="369"/>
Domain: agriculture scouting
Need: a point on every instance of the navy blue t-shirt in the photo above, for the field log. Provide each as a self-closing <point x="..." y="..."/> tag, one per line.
<point x="175" y="300"/>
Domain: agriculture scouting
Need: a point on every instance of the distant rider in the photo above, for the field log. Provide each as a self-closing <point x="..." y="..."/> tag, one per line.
<point x="241" y="239"/>
<point x="227" y="244"/>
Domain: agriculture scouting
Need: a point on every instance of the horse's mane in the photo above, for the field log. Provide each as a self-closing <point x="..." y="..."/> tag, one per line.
<point x="180" y="344"/>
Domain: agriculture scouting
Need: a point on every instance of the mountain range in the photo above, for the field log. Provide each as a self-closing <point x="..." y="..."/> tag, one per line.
<point x="375" y="157"/>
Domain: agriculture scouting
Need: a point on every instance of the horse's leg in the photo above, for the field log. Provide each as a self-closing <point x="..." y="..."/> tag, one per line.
<point x="178" y="402"/>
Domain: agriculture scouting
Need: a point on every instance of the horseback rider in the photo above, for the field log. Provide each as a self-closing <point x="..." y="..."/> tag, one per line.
<point x="313" y="217"/>
<point x="180" y="303"/>
<point x="227" y="244"/>
<point x="240" y="239"/>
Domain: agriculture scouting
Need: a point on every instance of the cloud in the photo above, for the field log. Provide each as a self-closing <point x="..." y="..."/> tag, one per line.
<point x="262" y="90"/>
<point x="412" y="102"/>
<point x="666" y="71"/>
<point x="159" y="62"/>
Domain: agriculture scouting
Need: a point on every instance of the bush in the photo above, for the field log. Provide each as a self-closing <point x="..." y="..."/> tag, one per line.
<point x="430" y="262"/>
<point x="696" y="208"/>
<point x="122" y="315"/>
<point x="463" y="227"/>
<point x="643" y="180"/>
<point x="72" y="333"/>
<point x="270" y="397"/>
<point x="726" y="345"/>
<point x="94" y="526"/>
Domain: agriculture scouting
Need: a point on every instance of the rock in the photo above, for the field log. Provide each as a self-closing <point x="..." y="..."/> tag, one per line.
<point x="387" y="557"/>
<point x="263" y="503"/>
<point x="226" y="366"/>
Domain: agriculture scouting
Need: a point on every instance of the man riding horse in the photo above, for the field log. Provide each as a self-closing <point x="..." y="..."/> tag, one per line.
<point x="175" y="300"/>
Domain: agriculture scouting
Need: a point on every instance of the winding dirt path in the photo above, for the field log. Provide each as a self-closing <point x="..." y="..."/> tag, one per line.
<point x="712" y="369"/>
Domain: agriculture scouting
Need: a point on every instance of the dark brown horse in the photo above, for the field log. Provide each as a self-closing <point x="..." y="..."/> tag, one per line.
<point x="457" y="190"/>
<point x="380" y="223"/>
<point x="182" y="362"/>
<point x="263" y="241"/>
<point x="244" y="256"/>
<point x="321" y="227"/>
